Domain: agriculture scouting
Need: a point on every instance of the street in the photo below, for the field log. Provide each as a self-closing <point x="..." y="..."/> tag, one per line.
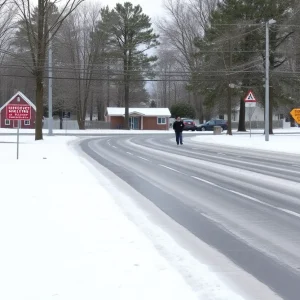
<point x="244" y="203"/>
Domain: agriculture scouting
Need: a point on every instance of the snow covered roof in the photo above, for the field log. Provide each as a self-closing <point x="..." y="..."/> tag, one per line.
<point x="23" y="97"/>
<point x="147" y="112"/>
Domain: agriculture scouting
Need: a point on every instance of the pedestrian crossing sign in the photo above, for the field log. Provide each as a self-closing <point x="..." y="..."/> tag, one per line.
<point x="250" y="97"/>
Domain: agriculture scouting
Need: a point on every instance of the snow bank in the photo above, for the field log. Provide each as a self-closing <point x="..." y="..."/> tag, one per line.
<point x="63" y="236"/>
<point x="5" y="131"/>
<point x="277" y="143"/>
<point x="85" y="132"/>
<point x="276" y="131"/>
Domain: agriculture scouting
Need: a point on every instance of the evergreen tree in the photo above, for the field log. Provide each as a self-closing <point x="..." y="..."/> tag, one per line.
<point x="153" y="104"/>
<point x="130" y="35"/>
<point x="246" y="20"/>
<point x="183" y="109"/>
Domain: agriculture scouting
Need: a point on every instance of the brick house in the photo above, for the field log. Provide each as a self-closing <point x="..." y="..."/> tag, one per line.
<point x="18" y="98"/>
<point x="139" y="118"/>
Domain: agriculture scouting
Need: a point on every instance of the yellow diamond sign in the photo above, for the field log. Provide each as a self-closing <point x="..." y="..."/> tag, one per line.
<point x="296" y="114"/>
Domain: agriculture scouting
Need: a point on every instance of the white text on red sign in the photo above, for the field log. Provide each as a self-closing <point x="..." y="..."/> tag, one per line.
<point x="18" y="112"/>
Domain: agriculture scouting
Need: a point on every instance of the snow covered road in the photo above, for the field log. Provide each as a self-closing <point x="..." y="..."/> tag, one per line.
<point x="243" y="203"/>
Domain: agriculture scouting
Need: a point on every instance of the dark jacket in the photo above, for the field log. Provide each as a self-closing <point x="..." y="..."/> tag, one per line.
<point x="178" y="126"/>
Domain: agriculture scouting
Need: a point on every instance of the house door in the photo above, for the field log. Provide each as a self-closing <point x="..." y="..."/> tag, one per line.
<point x="16" y="123"/>
<point x="134" y="123"/>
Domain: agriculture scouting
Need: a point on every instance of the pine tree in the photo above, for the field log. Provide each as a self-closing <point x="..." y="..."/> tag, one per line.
<point x="183" y="109"/>
<point x="153" y="104"/>
<point x="247" y="19"/>
<point x="131" y="36"/>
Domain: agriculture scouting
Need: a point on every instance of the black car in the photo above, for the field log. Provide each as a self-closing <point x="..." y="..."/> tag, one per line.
<point x="189" y="124"/>
<point x="209" y="126"/>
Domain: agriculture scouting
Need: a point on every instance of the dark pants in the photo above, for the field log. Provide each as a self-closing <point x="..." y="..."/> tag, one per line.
<point x="178" y="137"/>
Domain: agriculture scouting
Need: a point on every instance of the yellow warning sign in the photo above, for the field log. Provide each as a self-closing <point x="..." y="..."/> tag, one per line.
<point x="296" y="114"/>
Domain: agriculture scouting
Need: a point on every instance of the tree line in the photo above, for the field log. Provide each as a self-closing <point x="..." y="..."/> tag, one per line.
<point x="206" y="53"/>
<point x="100" y="57"/>
<point x="219" y="49"/>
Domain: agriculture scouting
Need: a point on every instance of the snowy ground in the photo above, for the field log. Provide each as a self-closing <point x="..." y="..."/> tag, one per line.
<point x="114" y="131"/>
<point x="291" y="130"/>
<point x="286" y="143"/>
<point x="63" y="235"/>
<point x="86" y="132"/>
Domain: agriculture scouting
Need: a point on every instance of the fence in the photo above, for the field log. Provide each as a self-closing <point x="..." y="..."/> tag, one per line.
<point x="260" y="124"/>
<point x="97" y="125"/>
<point x="254" y="124"/>
<point x="73" y="124"/>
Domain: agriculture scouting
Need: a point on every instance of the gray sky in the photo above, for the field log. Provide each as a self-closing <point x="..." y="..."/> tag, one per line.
<point x="153" y="8"/>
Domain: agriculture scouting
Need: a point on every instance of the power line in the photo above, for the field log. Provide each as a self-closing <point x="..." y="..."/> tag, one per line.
<point x="291" y="75"/>
<point x="111" y="73"/>
<point x="253" y="25"/>
<point x="159" y="74"/>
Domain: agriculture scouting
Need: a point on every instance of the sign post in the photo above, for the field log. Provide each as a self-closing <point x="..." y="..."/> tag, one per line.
<point x="18" y="112"/>
<point x="250" y="114"/>
<point x="296" y="114"/>
<point x="66" y="116"/>
<point x="250" y="103"/>
<point x="18" y="138"/>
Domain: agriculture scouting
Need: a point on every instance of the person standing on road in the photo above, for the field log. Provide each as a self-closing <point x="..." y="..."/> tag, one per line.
<point x="178" y="126"/>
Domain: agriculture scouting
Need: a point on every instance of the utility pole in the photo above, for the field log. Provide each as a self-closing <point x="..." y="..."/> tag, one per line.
<point x="165" y="88"/>
<point x="108" y="86"/>
<point x="267" y="81"/>
<point x="50" y="113"/>
<point x="229" y="99"/>
<point x="169" y="91"/>
<point x="267" y="100"/>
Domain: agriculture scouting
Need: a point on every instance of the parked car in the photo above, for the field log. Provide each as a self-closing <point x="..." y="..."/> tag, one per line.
<point x="189" y="124"/>
<point x="209" y="126"/>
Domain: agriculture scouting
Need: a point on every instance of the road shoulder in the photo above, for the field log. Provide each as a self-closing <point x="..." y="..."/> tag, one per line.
<point x="63" y="235"/>
<point x="201" y="265"/>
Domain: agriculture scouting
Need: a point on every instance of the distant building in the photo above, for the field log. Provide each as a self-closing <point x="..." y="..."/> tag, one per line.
<point x="279" y="118"/>
<point x="18" y="98"/>
<point x="257" y="115"/>
<point x="139" y="118"/>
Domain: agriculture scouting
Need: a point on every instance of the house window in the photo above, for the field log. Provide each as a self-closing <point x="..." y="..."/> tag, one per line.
<point x="7" y="122"/>
<point x="27" y="122"/>
<point x="161" y="121"/>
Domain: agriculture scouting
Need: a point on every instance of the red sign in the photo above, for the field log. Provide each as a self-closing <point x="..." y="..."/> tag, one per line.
<point x="250" y="97"/>
<point x="18" y="112"/>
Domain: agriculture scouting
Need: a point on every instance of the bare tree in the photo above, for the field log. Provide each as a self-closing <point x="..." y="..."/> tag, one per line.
<point x="171" y="86"/>
<point x="7" y="19"/>
<point x="202" y="11"/>
<point x="185" y="22"/>
<point x="38" y="36"/>
<point x="80" y="55"/>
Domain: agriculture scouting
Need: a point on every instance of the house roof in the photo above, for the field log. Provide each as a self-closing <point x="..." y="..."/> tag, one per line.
<point x="23" y="97"/>
<point x="146" y="112"/>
